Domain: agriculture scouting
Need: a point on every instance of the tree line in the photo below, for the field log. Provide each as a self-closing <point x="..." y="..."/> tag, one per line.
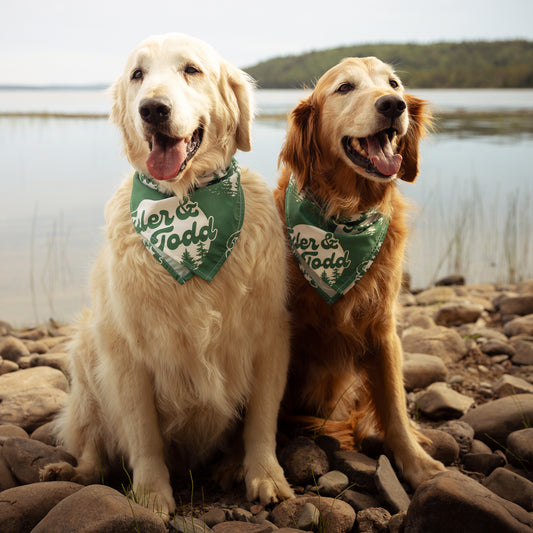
<point x="475" y="64"/>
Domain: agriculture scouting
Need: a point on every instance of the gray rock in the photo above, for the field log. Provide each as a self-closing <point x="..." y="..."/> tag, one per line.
<point x="479" y="447"/>
<point x="524" y="351"/>
<point x="519" y="326"/>
<point x="26" y="457"/>
<point x="483" y="463"/>
<point x="519" y="448"/>
<point x="442" y="446"/>
<point x="359" y="500"/>
<point x="234" y="526"/>
<point x="242" y="515"/>
<point x="375" y="520"/>
<point x="22" y="508"/>
<point x="439" y="402"/>
<point x="309" y="518"/>
<point x="100" y="509"/>
<point x="516" y="305"/>
<point x="359" y="468"/>
<point x="214" y="517"/>
<point x="512" y="487"/>
<point x="420" y="370"/>
<point x="332" y="483"/>
<point x="452" y="314"/>
<point x="453" y="502"/>
<point x="389" y="487"/>
<point x="303" y="461"/>
<point x="187" y="524"/>
<point x="493" y="421"/>
<point x="440" y="341"/>
<point x="497" y="347"/>
<point x="29" y="398"/>
<point x="462" y="432"/>
<point x="336" y="516"/>
<point x="508" y="385"/>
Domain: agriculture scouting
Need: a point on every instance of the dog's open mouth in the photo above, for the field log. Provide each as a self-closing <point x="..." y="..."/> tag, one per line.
<point x="169" y="156"/>
<point x="374" y="153"/>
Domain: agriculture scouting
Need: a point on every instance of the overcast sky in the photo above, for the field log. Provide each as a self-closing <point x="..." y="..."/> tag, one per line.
<point x="78" y="42"/>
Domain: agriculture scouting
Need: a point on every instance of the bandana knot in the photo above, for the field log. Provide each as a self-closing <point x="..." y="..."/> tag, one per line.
<point x="194" y="234"/>
<point x="332" y="253"/>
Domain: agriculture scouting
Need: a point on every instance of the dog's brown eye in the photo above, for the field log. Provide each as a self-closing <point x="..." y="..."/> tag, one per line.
<point x="191" y="69"/>
<point x="137" y="74"/>
<point x="345" y="88"/>
<point x="394" y="84"/>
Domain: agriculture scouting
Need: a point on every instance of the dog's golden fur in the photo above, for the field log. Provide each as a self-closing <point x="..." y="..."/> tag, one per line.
<point x="346" y="362"/>
<point x="161" y="371"/>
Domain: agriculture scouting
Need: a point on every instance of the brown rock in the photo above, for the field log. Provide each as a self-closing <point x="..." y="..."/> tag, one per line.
<point x="439" y="401"/>
<point x="493" y="421"/>
<point x="524" y="351"/>
<point x="421" y="370"/>
<point x="9" y="431"/>
<point x="29" y="398"/>
<point x="303" y="461"/>
<point x="516" y="305"/>
<point x="519" y="326"/>
<point x="99" y="509"/>
<point x="442" y="446"/>
<point x="440" y="341"/>
<point x="453" y="502"/>
<point x="336" y="516"/>
<point x="22" y="508"/>
<point x="508" y="385"/>
<point x="373" y="520"/>
<point x="512" y="487"/>
<point x="26" y="457"/>
<point x="12" y="349"/>
<point x="435" y="295"/>
<point x="6" y="477"/>
<point x="457" y="313"/>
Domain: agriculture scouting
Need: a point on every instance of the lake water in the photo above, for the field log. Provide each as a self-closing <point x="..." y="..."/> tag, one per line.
<point x="473" y="198"/>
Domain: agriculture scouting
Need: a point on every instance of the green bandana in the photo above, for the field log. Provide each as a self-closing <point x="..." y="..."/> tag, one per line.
<point x="333" y="254"/>
<point x="193" y="235"/>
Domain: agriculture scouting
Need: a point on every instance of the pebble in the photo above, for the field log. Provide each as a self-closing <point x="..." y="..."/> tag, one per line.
<point x="439" y="401"/>
<point x="508" y="385"/>
<point x="519" y="448"/>
<point x="512" y="487"/>
<point x="523" y="351"/>
<point x="519" y="326"/>
<point x="332" y="483"/>
<point x="303" y="461"/>
<point x="453" y="314"/>
<point x="421" y="370"/>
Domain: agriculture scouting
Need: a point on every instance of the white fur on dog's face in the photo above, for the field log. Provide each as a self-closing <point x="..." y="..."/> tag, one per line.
<point x="205" y="93"/>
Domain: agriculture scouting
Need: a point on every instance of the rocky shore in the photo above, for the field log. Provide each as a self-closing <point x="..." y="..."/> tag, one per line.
<point x="469" y="378"/>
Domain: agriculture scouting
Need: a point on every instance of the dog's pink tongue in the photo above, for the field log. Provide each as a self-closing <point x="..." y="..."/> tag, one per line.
<point x="166" y="157"/>
<point x="381" y="154"/>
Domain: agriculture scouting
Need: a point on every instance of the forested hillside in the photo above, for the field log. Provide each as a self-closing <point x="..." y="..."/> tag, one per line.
<point x="494" y="64"/>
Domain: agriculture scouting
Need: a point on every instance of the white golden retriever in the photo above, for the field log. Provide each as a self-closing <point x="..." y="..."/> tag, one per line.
<point x="162" y="369"/>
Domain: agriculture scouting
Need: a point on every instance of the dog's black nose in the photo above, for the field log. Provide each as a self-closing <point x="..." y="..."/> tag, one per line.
<point x="391" y="106"/>
<point x="155" y="110"/>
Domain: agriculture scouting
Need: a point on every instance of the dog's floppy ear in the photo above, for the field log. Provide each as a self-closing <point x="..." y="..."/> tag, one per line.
<point x="237" y="93"/>
<point x="419" y="121"/>
<point x="300" y="150"/>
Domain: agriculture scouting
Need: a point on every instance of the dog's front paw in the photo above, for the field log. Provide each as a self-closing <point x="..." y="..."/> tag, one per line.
<point x="267" y="484"/>
<point x="158" y="499"/>
<point x="423" y="469"/>
<point x="57" y="472"/>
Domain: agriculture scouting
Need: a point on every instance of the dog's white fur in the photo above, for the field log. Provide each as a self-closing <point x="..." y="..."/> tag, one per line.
<point x="160" y="368"/>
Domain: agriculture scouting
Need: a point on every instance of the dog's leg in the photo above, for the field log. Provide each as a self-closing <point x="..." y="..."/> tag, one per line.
<point x="136" y="424"/>
<point x="264" y="476"/>
<point x="388" y="395"/>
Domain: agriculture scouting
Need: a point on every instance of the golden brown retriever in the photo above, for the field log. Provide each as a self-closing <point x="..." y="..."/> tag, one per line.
<point x="165" y="363"/>
<point x="347" y="145"/>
